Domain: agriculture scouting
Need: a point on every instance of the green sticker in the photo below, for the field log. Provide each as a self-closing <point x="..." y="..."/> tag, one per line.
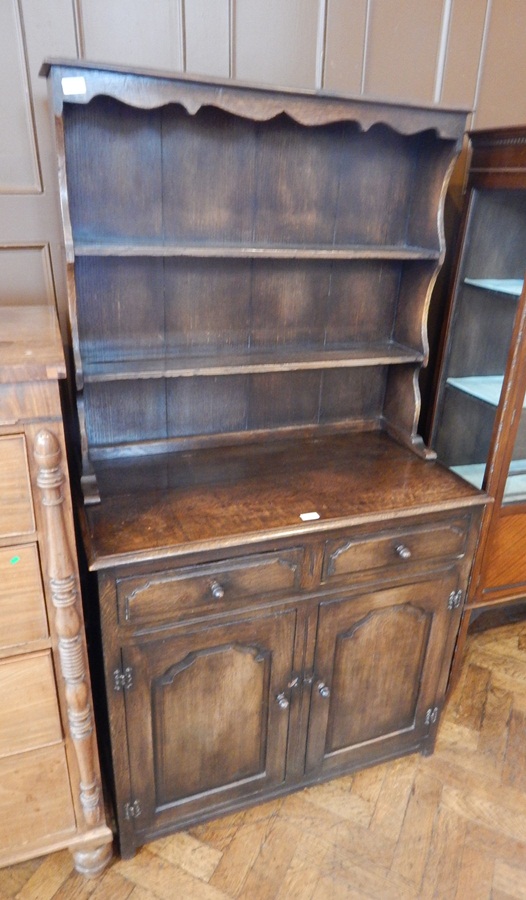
<point x="14" y="560"/>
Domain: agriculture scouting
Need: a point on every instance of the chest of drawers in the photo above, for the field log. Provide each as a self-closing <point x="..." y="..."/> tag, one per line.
<point x="50" y="790"/>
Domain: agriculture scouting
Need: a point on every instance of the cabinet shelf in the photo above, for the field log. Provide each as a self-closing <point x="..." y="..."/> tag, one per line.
<point x="237" y="251"/>
<point x="483" y="387"/>
<point x="251" y="362"/>
<point x="515" y="483"/>
<point x="510" y="286"/>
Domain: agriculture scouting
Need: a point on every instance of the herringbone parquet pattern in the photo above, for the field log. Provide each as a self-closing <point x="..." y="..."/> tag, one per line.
<point x="449" y="826"/>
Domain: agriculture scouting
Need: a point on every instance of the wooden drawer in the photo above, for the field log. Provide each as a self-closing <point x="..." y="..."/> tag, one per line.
<point x="443" y="540"/>
<point x="22" y="609"/>
<point x="16" y="508"/>
<point x="207" y="588"/>
<point x="29" y="714"/>
<point x="35" y="798"/>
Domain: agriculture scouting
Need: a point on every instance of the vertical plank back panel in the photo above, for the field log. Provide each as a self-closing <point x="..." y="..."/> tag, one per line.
<point x="141" y="33"/>
<point x="275" y="42"/>
<point x="207" y="37"/>
<point x="464" y="46"/>
<point x="501" y="97"/>
<point x="344" y="46"/>
<point x="402" y="49"/>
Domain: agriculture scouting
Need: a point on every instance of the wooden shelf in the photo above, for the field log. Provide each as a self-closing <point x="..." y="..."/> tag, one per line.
<point x="510" y="286"/>
<point x="254" y="361"/>
<point x="237" y="251"/>
<point x="484" y="387"/>
<point x="515" y="483"/>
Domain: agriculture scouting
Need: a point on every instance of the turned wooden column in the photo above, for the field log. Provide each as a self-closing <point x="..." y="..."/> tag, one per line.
<point x="65" y="597"/>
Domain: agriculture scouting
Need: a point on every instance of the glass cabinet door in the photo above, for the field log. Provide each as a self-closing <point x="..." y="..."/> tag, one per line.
<point x="488" y="295"/>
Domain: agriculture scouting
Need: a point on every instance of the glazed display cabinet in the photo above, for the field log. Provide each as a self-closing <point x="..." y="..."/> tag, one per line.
<point x="479" y="427"/>
<point x="281" y="563"/>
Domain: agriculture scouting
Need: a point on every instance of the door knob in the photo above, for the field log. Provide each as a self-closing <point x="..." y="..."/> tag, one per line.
<point x="403" y="551"/>
<point x="218" y="592"/>
<point x="323" y="690"/>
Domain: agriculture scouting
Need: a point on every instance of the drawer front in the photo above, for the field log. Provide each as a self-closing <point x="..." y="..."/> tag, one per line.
<point x="35" y="798"/>
<point x="207" y="588"/>
<point x="368" y="553"/>
<point x="22" y="609"/>
<point x="29" y="715"/>
<point x="16" y="508"/>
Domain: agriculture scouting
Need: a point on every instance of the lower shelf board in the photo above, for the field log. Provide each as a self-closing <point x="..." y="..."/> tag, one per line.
<point x="515" y="489"/>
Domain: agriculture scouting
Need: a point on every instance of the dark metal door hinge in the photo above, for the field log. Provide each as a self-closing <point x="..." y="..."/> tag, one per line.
<point x="123" y="681"/>
<point x="454" y="600"/>
<point x="431" y="715"/>
<point x="132" y="810"/>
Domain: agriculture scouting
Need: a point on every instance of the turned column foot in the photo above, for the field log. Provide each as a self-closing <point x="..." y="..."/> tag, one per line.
<point x="91" y="861"/>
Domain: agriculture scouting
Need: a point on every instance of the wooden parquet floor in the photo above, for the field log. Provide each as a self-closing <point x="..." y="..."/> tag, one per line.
<point x="452" y="825"/>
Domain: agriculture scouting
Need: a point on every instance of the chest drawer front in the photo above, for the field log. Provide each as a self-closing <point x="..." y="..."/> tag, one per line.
<point x="16" y="508"/>
<point x="29" y="716"/>
<point x="207" y="588"/>
<point x="22" y="610"/>
<point x="443" y="540"/>
<point x="35" y="798"/>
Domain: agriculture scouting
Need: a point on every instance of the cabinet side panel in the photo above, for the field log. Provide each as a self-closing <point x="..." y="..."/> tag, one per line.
<point x="465" y="427"/>
<point x="432" y="163"/>
<point x="504" y="556"/>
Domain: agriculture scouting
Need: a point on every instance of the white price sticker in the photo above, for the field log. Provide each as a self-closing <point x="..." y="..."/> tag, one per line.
<point x="73" y="85"/>
<point x="309" y="516"/>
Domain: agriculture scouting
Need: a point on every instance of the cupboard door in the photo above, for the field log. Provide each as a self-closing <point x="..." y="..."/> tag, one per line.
<point x="204" y="721"/>
<point x="377" y="673"/>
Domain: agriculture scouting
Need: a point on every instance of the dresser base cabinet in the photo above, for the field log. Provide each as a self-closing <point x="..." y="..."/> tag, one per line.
<point x="243" y="672"/>
<point x="50" y="786"/>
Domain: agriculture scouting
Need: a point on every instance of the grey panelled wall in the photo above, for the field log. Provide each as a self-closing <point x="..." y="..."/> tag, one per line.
<point x="449" y="52"/>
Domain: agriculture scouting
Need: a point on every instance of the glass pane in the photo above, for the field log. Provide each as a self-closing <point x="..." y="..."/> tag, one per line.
<point x="490" y="282"/>
<point x="515" y="489"/>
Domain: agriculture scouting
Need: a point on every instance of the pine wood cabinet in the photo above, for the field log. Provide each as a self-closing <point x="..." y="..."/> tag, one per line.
<point x="50" y="794"/>
<point x="479" y="423"/>
<point x="280" y="561"/>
